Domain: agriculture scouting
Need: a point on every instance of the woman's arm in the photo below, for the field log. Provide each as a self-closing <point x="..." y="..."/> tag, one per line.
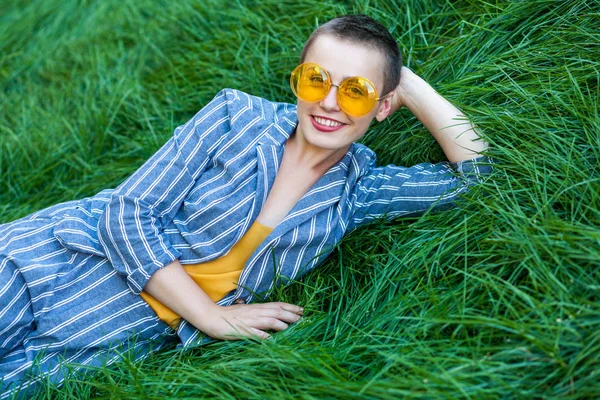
<point x="393" y="191"/>
<point x="130" y="230"/>
<point x="450" y="127"/>
<point x="174" y="288"/>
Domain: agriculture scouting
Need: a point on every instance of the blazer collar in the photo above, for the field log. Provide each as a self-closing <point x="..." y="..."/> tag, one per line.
<point x="269" y="153"/>
<point x="324" y="194"/>
<point x="327" y="191"/>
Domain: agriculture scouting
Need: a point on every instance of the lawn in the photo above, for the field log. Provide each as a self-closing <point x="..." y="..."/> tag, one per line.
<point x="497" y="298"/>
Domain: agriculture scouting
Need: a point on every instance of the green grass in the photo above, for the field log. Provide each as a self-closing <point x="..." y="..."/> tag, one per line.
<point x="498" y="298"/>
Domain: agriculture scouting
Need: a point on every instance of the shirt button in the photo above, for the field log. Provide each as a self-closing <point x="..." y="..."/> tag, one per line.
<point x="240" y="301"/>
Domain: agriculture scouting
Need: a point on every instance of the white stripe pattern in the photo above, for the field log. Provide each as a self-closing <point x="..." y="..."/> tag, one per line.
<point x="192" y="201"/>
<point x="63" y="306"/>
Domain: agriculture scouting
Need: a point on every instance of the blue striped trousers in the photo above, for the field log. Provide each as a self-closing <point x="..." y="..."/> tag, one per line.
<point x="60" y="307"/>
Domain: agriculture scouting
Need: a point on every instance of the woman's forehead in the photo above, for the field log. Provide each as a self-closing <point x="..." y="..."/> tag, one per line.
<point x="343" y="59"/>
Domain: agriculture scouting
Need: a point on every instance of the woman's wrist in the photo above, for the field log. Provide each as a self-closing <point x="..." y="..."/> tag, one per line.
<point x="207" y="319"/>
<point x="410" y="83"/>
<point x="406" y="75"/>
<point x="401" y="96"/>
<point x="175" y="289"/>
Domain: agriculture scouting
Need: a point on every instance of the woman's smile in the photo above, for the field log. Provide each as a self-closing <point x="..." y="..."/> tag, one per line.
<point x="325" y="124"/>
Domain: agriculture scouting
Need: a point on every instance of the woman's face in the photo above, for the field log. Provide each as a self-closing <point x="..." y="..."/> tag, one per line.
<point x="323" y="124"/>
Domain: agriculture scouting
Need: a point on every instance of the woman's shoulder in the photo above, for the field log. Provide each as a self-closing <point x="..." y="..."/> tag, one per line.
<point x="364" y="158"/>
<point x="245" y="105"/>
<point x="253" y="118"/>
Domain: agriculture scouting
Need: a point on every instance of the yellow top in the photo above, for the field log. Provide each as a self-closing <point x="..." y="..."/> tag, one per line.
<point x="217" y="277"/>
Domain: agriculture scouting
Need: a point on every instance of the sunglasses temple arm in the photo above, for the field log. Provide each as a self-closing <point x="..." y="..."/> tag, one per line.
<point x="387" y="95"/>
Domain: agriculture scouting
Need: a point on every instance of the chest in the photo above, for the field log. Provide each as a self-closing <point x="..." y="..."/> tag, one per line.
<point x="291" y="183"/>
<point x="235" y="188"/>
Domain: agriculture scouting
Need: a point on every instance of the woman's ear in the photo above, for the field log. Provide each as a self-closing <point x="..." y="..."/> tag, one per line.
<point x="385" y="108"/>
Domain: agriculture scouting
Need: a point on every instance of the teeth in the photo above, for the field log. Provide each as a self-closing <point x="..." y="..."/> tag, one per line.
<point x="326" y="122"/>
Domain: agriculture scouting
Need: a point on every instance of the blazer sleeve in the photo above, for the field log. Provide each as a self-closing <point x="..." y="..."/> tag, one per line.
<point x="131" y="228"/>
<point x="392" y="191"/>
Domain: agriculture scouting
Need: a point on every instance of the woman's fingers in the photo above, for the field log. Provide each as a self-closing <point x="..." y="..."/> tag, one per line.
<point x="274" y="314"/>
<point x="271" y="324"/>
<point x="261" y="334"/>
<point x="281" y="305"/>
<point x="254" y="328"/>
<point x="281" y="314"/>
<point x="242" y="330"/>
<point x="252" y="320"/>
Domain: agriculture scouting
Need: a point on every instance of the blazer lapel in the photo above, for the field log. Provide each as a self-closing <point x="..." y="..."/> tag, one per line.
<point x="268" y="159"/>
<point x="324" y="194"/>
<point x="268" y="155"/>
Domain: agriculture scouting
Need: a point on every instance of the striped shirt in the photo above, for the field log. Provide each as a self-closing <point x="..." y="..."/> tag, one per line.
<point x="200" y="193"/>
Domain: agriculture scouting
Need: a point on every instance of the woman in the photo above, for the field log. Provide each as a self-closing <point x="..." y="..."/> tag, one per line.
<point x="247" y="194"/>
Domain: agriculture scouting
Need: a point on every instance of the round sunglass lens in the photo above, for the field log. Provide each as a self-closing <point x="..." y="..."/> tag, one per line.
<point x="310" y="82"/>
<point x="357" y="96"/>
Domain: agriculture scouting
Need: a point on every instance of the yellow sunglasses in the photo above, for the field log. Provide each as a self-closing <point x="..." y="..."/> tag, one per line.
<point x="356" y="96"/>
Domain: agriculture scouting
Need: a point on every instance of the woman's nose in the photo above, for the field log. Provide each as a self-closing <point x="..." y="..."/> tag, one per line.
<point x="329" y="103"/>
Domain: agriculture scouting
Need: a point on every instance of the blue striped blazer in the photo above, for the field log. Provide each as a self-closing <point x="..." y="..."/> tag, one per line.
<point x="198" y="195"/>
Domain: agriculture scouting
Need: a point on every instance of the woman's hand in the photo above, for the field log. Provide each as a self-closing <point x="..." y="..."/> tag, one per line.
<point x="398" y="99"/>
<point x="249" y="320"/>
<point x="174" y="288"/>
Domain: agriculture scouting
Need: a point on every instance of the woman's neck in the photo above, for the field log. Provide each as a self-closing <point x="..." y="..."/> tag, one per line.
<point x="300" y="152"/>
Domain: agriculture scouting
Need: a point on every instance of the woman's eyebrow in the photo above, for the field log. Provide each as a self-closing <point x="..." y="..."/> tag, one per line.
<point x="347" y="76"/>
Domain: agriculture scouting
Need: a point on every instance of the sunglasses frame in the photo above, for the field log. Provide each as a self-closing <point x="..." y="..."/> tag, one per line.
<point x="330" y="84"/>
